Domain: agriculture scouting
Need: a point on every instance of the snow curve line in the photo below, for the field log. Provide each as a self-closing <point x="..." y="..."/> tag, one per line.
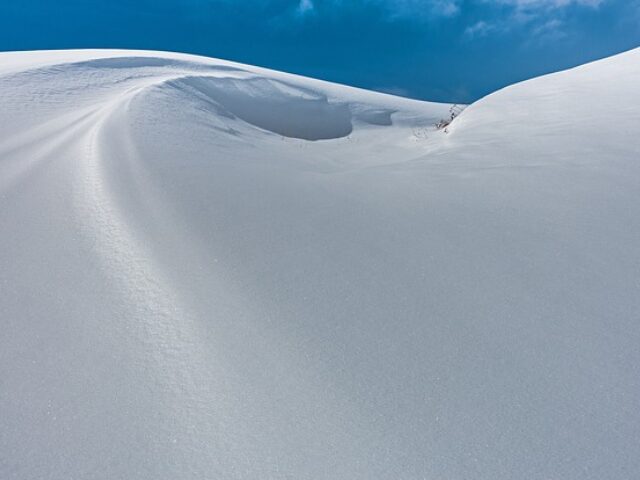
<point x="171" y="349"/>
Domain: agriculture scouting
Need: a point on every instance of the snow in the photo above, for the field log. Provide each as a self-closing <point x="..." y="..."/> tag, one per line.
<point x="215" y="271"/>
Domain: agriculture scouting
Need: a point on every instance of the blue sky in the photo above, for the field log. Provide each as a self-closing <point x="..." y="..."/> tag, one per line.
<point x="446" y="50"/>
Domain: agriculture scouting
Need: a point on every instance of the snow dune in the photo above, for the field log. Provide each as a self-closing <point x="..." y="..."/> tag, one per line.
<point x="215" y="271"/>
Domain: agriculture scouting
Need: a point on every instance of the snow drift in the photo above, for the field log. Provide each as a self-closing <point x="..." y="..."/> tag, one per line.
<point x="211" y="270"/>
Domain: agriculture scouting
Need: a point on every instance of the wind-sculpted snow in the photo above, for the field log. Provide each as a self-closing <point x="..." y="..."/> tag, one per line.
<point x="273" y="106"/>
<point x="212" y="270"/>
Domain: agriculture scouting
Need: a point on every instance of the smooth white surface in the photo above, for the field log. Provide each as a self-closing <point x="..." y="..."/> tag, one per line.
<point x="191" y="289"/>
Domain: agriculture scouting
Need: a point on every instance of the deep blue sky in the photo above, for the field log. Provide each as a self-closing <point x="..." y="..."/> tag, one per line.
<point x="448" y="50"/>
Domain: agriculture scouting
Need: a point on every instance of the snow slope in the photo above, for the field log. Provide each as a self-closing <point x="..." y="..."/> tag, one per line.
<point x="216" y="271"/>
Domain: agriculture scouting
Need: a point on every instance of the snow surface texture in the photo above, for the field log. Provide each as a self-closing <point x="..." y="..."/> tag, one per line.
<point x="216" y="271"/>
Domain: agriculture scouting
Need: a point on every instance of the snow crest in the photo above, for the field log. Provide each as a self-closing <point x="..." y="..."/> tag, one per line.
<point x="213" y="270"/>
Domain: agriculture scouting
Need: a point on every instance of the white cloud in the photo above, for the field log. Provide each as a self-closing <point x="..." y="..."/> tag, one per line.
<point x="305" y="7"/>
<point x="421" y="8"/>
<point x="522" y="11"/>
<point x="548" y="31"/>
<point x="542" y="18"/>
<point x="393" y="9"/>
<point x="449" y="8"/>
<point x="547" y="4"/>
<point x="479" y="29"/>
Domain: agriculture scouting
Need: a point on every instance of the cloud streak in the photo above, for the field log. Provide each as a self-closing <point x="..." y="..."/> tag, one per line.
<point x="547" y="4"/>
<point x="393" y="9"/>
<point x="543" y="19"/>
<point x="540" y="18"/>
<point x="441" y="9"/>
<point x="418" y="8"/>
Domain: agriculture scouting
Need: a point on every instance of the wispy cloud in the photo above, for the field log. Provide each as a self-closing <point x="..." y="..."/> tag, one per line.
<point x="479" y="29"/>
<point x="394" y="9"/>
<point x="418" y="8"/>
<point x="305" y="7"/>
<point x="543" y="19"/>
<point x="548" y="31"/>
<point x="546" y="4"/>
<point x="439" y="9"/>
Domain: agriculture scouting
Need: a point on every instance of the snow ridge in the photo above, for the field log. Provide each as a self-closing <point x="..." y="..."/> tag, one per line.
<point x="214" y="270"/>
